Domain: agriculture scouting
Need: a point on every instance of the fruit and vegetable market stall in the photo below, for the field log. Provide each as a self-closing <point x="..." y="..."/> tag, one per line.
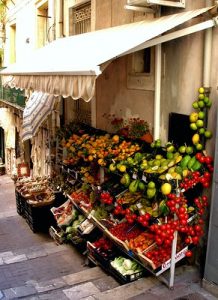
<point x="129" y="205"/>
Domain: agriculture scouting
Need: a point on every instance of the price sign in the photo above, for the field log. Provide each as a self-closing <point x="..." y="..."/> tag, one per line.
<point x="144" y="178"/>
<point x="134" y="176"/>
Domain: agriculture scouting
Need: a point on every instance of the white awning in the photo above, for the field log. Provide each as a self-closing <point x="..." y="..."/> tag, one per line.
<point x="70" y="66"/>
<point x="37" y="109"/>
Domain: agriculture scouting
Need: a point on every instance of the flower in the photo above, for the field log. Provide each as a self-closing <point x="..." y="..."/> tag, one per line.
<point x="137" y="127"/>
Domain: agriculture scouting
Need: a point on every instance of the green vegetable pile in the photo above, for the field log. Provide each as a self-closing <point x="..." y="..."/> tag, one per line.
<point x="126" y="266"/>
<point x="71" y="230"/>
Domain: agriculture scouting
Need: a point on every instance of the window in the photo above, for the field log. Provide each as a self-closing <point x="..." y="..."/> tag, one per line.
<point x="141" y="70"/>
<point x="13" y="43"/>
<point x="42" y="24"/>
<point x="80" y="19"/>
<point x="82" y="111"/>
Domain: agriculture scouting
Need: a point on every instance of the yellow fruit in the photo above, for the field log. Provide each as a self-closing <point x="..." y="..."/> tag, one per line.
<point x="200" y="123"/>
<point x="90" y="158"/>
<point x="208" y="134"/>
<point x="112" y="167"/>
<point x="201" y="96"/>
<point x="185" y="172"/>
<point x="122" y="168"/>
<point x="116" y="138"/>
<point x="199" y="146"/>
<point x="166" y="188"/>
<point x="193" y="117"/>
<point x="201" y="90"/>
<point x="195" y="138"/>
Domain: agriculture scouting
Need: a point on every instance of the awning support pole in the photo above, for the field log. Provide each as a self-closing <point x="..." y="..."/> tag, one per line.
<point x="157" y="92"/>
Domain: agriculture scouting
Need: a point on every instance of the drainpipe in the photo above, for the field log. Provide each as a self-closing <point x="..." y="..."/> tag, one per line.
<point x="207" y="54"/>
<point x="157" y="89"/>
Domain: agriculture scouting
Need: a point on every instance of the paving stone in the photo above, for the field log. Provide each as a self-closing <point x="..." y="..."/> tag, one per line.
<point x="15" y="259"/>
<point x="49" y="285"/>
<point x="6" y="254"/>
<point x="80" y="291"/>
<point x="105" y="283"/>
<point x="21" y="291"/>
<point x="36" y="254"/>
<point x="128" y="290"/>
<point x="53" y="296"/>
<point x="89" y="274"/>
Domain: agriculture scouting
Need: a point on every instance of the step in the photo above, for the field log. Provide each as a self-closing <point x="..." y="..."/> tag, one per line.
<point x="34" y="288"/>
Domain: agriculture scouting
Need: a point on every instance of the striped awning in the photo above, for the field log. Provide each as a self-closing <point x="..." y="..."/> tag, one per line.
<point x="69" y="66"/>
<point x="37" y="109"/>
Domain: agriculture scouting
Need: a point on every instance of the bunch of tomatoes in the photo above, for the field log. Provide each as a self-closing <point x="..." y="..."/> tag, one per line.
<point x="196" y="177"/>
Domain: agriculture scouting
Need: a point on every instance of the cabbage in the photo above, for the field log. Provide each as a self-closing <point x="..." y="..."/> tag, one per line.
<point x="127" y="264"/>
<point x="68" y="229"/>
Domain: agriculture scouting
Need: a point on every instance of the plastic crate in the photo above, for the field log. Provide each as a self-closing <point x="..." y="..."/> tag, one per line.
<point x="123" y="279"/>
<point x="39" y="218"/>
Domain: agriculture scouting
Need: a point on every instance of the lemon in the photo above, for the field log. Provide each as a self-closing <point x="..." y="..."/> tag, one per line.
<point x="195" y="138"/>
<point x="122" y="168"/>
<point x="166" y="188"/>
<point x="193" y="117"/>
<point x="201" y="90"/>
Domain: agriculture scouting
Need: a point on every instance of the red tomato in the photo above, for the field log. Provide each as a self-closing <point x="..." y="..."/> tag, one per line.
<point x="188" y="253"/>
<point x="198" y="155"/>
<point x="208" y="159"/>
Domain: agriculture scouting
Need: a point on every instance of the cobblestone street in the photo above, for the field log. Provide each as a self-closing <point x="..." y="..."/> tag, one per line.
<point x="33" y="266"/>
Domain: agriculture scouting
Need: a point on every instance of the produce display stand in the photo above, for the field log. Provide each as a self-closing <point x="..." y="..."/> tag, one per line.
<point x="105" y="176"/>
<point x="143" y="198"/>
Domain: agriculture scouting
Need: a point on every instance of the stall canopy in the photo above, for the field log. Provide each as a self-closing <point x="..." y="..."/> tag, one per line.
<point x="69" y="66"/>
<point x="38" y="107"/>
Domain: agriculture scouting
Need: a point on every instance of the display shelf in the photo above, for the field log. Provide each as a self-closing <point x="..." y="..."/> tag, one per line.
<point x="158" y="270"/>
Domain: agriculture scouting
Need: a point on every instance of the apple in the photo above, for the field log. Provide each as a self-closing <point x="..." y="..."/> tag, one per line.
<point x="201" y="115"/>
<point x="201" y="103"/>
<point x="208" y="134"/>
<point x="199" y="146"/>
<point x="189" y="150"/>
<point x="182" y="149"/>
<point x="201" y="130"/>
<point x="200" y="123"/>
<point x="201" y="96"/>
<point x="195" y="104"/>
<point x="206" y="100"/>
<point x="209" y="103"/>
<point x="193" y="126"/>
